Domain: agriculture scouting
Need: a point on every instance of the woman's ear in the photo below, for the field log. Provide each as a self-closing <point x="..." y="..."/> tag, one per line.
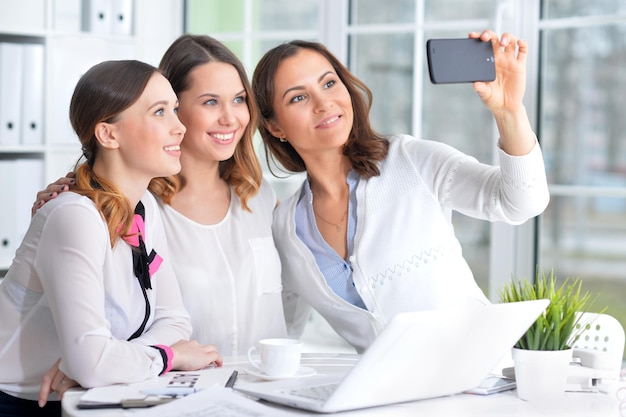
<point x="274" y="129"/>
<point x="105" y="134"/>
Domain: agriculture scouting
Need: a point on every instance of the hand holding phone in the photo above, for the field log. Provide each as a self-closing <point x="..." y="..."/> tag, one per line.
<point x="462" y="60"/>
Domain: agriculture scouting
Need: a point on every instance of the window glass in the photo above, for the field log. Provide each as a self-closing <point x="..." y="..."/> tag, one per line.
<point x="583" y="134"/>
<point x="454" y="114"/>
<point x="586" y="237"/>
<point x="385" y="64"/>
<point x="371" y="11"/>
<point x="582" y="105"/>
<point x="210" y="16"/>
<point x="285" y="14"/>
<point x="456" y="10"/>
<point x="260" y="47"/>
<point x="575" y="8"/>
<point x="404" y="11"/>
<point x="218" y="16"/>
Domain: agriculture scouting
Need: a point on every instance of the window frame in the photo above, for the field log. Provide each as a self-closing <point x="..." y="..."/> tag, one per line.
<point x="514" y="250"/>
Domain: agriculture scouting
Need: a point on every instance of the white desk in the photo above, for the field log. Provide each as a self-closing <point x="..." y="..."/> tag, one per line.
<point x="506" y="403"/>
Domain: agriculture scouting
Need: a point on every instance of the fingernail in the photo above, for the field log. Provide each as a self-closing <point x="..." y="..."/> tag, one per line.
<point x="65" y="187"/>
<point x="505" y="41"/>
<point x="41" y="403"/>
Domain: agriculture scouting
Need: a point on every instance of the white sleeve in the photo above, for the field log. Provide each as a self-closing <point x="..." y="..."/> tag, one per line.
<point x="512" y="192"/>
<point x="297" y="312"/>
<point x="69" y="262"/>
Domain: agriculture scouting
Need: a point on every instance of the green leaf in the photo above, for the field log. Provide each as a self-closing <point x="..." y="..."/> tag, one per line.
<point x="557" y="326"/>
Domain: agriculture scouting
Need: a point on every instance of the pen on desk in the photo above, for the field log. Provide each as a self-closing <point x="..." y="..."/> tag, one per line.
<point x="137" y="403"/>
<point x="171" y="392"/>
<point x="231" y="381"/>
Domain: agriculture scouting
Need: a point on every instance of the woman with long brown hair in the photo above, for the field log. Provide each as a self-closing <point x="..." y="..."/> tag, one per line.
<point x="369" y="234"/>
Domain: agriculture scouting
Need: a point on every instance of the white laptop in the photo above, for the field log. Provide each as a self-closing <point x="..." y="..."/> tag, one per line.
<point x="419" y="355"/>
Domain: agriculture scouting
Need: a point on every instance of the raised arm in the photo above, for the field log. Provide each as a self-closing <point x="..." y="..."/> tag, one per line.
<point x="504" y="96"/>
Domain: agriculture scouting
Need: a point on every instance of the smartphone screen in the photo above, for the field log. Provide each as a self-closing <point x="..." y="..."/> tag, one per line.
<point x="460" y="61"/>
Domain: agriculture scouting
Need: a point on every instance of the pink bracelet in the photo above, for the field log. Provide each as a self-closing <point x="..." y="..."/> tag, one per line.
<point x="170" y="357"/>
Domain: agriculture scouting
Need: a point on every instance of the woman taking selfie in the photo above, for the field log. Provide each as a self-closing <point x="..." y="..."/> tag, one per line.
<point x="369" y="233"/>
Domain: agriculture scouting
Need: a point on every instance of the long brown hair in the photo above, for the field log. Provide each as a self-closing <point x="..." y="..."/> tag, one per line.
<point x="242" y="170"/>
<point x="101" y="94"/>
<point x="365" y="148"/>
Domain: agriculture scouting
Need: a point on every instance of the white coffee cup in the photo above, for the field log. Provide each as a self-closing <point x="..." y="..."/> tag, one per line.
<point x="279" y="357"/>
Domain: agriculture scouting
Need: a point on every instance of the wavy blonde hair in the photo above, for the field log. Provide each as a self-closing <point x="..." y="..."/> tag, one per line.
<point x="243" y="169"/>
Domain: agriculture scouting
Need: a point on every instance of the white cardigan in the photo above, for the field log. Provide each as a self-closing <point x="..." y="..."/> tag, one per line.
<point x="406" y="256"/>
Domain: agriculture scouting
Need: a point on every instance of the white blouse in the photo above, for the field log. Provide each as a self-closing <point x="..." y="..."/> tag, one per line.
<point x="69" y="294"/>
<point x="229" y="273"/>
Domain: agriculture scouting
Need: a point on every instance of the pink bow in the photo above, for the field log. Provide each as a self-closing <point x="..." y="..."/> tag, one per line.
<point x="135" y="238"/>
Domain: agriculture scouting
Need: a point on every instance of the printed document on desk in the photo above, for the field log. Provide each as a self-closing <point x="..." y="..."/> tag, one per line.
<point x="211" y="402"/>
<point x="173" y="385"/>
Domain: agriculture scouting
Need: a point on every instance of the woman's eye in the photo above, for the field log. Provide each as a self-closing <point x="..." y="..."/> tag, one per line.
<point x="297" y="98"/>
<point x="175" y="110"/>
<point x="329" y="84"/>
<point x="240" y="99"/>
<point x="211" y="102"/>
<point x="159" y="112"/>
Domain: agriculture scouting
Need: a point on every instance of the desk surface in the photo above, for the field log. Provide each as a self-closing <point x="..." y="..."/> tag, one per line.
<point x="506" y="403"/>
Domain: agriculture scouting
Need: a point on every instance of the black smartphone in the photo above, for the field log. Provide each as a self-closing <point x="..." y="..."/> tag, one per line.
<point x="460" y="61"/>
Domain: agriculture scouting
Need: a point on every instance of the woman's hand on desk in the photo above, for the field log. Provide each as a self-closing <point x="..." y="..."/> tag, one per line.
<point x="54" y="380"/>
<point x="189" y="355"/>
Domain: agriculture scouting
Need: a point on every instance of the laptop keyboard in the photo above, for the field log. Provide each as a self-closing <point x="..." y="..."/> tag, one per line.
<point x="319" y="392"/>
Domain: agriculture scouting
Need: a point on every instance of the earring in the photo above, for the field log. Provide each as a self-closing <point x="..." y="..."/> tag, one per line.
<point x="282" y="139"/>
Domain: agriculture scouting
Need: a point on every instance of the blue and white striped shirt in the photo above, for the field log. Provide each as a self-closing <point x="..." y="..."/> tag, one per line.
<point x="336" y="270"/>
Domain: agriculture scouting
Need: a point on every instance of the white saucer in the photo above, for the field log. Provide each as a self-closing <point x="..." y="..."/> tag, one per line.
<point x="302" y="372"/>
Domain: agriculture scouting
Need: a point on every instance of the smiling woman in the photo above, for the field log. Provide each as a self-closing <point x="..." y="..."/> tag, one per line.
<point x="217" y="211"/>
<point x="88" y="277"/>
<point x="395" y="250"/>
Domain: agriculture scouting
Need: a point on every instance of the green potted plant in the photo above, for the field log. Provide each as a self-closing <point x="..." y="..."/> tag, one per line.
<point x="543" y="354"/>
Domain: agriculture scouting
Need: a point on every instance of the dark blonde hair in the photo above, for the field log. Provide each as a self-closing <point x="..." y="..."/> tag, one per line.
<point x="101" y="94"/>
<point x="242" y="170"/>
<point x="365" y="148"/>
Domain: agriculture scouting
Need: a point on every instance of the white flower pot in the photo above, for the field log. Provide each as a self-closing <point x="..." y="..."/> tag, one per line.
<point x="541" y="374"/>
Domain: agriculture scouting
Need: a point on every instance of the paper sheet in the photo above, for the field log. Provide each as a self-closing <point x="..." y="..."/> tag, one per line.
<point x="214" y="402"/>
<point x="110" y="394"/>
<point x="173" y="381"/>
